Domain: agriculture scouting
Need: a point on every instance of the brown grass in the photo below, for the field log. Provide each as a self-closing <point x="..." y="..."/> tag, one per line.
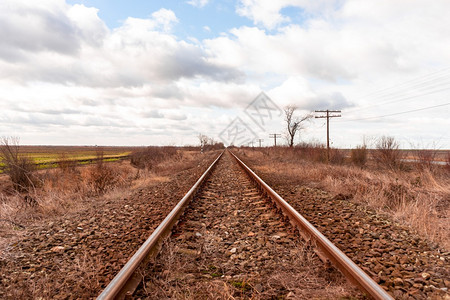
<point x="67" y="188"/>
<point x="174" y="276"/>
<point x="418" y="198"/>
<point x="358" y="156"/>
<point x="150" y="157"/>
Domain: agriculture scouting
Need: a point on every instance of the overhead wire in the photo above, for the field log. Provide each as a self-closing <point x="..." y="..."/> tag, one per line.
<point x="422" y="86"/>
<point x="431" y="75"/>
<point x="401" y="99"/>
<point x="394" y="114"/>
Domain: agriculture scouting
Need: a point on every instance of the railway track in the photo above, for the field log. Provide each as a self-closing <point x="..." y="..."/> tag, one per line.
<point x="232" y="242"/>
<point x="396" y="257"/>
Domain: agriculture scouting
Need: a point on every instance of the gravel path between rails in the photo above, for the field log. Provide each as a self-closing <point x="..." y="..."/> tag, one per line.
<point x="77" y="255"/>
<point x="232" y="244"/>
<point x="402" y="263"/>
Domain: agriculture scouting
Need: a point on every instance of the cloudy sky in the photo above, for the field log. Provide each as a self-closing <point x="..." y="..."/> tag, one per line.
<point x="138" y="72"/>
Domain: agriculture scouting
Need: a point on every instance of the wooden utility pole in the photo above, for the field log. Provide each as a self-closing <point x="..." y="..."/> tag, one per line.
<point x="260" y="140"/>
<point x="275" y="136"/>
<point x="328" y="116"/>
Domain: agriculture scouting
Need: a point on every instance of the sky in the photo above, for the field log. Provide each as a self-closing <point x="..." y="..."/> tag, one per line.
<point x="137" y="72"/>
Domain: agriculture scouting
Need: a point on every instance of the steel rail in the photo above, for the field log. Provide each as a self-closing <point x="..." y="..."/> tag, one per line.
<point x="126" y="281"/>
<point x="336" y="256"/>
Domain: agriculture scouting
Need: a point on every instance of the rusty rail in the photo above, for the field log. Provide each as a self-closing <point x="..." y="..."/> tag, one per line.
<point x="327" y="248"/>
<point x="126" y="280"/>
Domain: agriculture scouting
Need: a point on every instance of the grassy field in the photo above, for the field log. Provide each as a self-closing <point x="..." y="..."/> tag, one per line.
<point x="49" y="156"/>
<point x="412" y="194"/>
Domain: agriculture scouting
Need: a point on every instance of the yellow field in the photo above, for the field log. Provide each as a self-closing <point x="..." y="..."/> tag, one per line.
<point x="46" y="156"/>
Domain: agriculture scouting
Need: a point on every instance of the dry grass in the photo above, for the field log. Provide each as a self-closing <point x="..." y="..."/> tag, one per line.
<point x="174" y="276"/>
<point x="68" y="188"/>
<point x="418" y="198"/>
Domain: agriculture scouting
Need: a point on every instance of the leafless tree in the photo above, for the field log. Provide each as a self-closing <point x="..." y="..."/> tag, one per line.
<point x="207" y="143"/>
<point x="203" y="141"/>
<point x="17" y="166"/>
<point x="294" y="124"/>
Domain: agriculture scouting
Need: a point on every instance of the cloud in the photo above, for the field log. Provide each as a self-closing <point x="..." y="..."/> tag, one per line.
<point x="71" y="45"/>
<point x="154" y="114"/>
<point x="61" y="66"/>
<point x="355" y="40"/>
<point x="264" y="12"/>
<point x="164" y="18"/>
<point x="268" y="14"/>
<point x="198" y="3"/>
<point x="176" y="116"/>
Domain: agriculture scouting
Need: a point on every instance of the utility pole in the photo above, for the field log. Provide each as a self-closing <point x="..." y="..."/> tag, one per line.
<point x="260" y="140"/>
<point x="329" y="114"/>
<point x="275" y="136"/>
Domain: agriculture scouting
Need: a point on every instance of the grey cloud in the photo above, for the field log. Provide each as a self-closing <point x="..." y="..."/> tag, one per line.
<point x="332" y="101"/>
<point x="175" y="116"/>
<point x="123" y="58"/>
<point x="32" y="29"/>
<point x="88" y="102"/>
<point x="181" y="127"/>
<point x="167" y="91"/>
<point x="154" y="114"/>
<point x="190" y="61"/>
<point x="67" y="111"/>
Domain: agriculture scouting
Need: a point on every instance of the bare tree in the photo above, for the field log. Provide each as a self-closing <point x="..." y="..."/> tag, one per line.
<point x="207" y="143"/>
<point x="294" y="124"/>
<point x="18" y="167"/>
<point x="204" y="139"/>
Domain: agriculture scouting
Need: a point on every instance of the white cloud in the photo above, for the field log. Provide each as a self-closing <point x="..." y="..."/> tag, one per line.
<point x="83" y="51"/>
<point x="198" y="3"/>
<point x="268" y="13"/>
<point x="265" y="12"/>
<point x="61" y="67"/>
<point x="165" y="18"/>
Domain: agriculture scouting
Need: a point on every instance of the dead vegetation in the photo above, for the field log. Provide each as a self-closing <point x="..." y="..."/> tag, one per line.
<point x="416" y="195"/>
<point x="18" y="168"/>
<point x="301" y="280"/>
<point x="150" y="157"/>
<point x="27" y="194"/>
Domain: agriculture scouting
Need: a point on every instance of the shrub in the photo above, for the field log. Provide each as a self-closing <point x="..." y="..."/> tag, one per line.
<point x="387" y="153"/>
<point x="313" y="151"/>
<point x="67" y="165"/>
<point x="337" y="157"/>
<point x="102" y="176"/>
<point x="18" y="167"/>
<point x="150" y="157"/>
<point x="358" y="155"/>
<point x="426" y="158"/>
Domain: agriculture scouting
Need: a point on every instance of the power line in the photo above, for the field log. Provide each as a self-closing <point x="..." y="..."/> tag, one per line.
<point x="418" y="88"/>
<point x="398" y="100"/>
<point x="428" y="86"/>
<point x="430" y="75"/>
<point x="420" y="85"/>
<point x="399" y="113"/>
